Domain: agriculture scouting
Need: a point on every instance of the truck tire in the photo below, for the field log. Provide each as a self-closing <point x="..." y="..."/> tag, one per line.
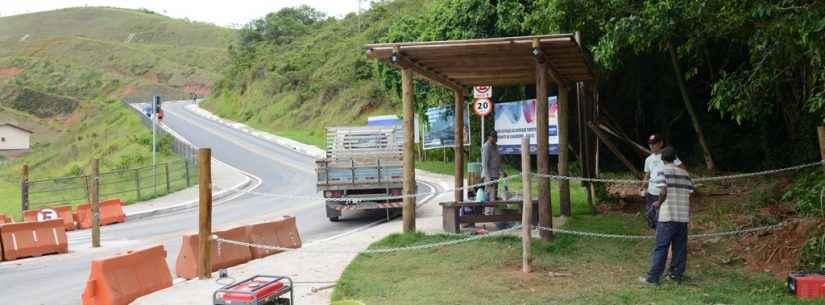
<point x="333" y="214"/>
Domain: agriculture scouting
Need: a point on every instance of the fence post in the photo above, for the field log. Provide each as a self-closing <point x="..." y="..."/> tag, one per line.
<point x="205" y="212"/>
<point x="24" y="188"/>
<point x="186" y="168"/>
<point x="94" y="194"/>
<point x="166" y="170"/>
<point x="526" y="208"/>
<point x="137" y="183"/>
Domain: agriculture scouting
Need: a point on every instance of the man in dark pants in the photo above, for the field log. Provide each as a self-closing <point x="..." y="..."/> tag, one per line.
<point x="653" y="163"/>
<point x="674" y="215"/>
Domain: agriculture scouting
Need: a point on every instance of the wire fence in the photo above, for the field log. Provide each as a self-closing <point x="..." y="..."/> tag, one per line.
<point x="130" y="185"/>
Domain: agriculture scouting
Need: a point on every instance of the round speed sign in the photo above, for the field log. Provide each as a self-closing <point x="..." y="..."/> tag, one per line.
<point x="483" y="106"/>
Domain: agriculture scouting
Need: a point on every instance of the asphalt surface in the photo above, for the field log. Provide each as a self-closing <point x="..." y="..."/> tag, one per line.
<point x="60" y="279"/>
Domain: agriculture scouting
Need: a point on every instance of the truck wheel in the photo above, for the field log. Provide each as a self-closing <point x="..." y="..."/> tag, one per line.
<point x="333" y="214"/>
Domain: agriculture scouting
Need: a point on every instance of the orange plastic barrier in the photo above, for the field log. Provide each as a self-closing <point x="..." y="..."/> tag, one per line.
<point x="280" y="233"/>
<point x="4" y="219"/>
<point x="119" y="280"/>
<point x="64" y="213"/>
<point x="111" y="211"/>
<point x="186" y="265"/>
<point x="31" y="239"/>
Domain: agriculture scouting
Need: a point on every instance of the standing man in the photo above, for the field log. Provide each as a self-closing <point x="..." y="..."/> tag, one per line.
<point x="491" y="165"/>
<point x="674" y="214"/>
<point x="652" y="165"/>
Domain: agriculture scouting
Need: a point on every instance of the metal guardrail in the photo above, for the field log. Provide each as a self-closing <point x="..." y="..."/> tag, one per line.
<point x="130" y="185"/>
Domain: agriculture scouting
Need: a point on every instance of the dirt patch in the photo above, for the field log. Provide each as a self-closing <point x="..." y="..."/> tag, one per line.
<point x="11" y="72"/>
<point x="778" y="251"/>
<point x="196" y="88"/>
<point x="72" y="119"/>
<point x="129" y="90"/>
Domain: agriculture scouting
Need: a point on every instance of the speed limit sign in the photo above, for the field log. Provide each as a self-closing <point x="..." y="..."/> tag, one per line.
<point x="483" y="106"/>
<point x="46" y="214"/>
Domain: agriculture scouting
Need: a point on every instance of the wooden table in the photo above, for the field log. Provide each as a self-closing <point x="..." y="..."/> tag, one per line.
<point x="452" y="221"/>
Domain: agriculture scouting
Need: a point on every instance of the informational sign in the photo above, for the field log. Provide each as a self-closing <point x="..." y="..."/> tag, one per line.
<point x="516" y="119"/>
<point x="46" y="214"/>
<point x="393" y="120"/>
<point x="482" y="92"/>
<point x="483" y="106"/>
<point x="440" y="129"/>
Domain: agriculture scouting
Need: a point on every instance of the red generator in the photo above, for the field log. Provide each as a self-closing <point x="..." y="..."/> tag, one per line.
<point x="257" y="290"/>
<point x="807" y="285"/>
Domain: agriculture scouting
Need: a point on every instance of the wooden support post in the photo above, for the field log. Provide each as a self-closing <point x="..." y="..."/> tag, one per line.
<point x="408" y="105"/>
<point x="564" y="153"/>
<point x="821" y="132"/>
<point x="612" y="147"/>
<point x="545" y="204"/>
<point x="24" y="188"/>
<point x="526" y="208"/>
<point x="94" y="198"/>
<point x="459" y="146"/>
<point x="205" y="212"/>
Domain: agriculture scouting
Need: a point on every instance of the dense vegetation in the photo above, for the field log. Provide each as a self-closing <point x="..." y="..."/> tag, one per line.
<point x="752" y="71"/>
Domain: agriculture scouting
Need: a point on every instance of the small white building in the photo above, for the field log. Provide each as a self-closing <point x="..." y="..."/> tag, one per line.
<point x="14" y="140"/>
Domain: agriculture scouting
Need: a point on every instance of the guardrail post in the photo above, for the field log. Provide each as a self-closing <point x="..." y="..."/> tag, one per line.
<point x="24" y="188"/>
<point x="166" y="170"/>
<point x="526" y="208"/>
<point x="186" y="168"/>
<point x="205" y="212"/>
<point x="94" y="194"/>
<point x="137" y="183"/>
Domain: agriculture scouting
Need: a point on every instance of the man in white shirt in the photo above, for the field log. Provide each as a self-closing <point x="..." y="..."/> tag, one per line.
<point x="653" y="164"/>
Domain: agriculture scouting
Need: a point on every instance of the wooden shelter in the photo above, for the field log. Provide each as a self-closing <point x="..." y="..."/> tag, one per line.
<point x="510" y="61"/>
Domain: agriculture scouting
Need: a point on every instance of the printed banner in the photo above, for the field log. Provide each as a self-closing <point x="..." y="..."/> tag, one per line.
<point x="440" y="128"/>
<point x="514" y="120"/>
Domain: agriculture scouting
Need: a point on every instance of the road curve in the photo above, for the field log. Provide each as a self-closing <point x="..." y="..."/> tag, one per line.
<point x="59" y="279"/>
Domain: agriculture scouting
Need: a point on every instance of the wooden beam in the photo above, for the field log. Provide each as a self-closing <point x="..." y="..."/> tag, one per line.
<point x="527" y="207"/>
<point x="564" y="153"/>
<point x="459" y="145"/>
<point x="612" y="147"/>
<point x="404" y="62"/>
<point x="408" y="107"/>
<point x="545" y="204"/>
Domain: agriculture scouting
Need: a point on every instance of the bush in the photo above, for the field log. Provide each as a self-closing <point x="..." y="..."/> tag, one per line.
<point x="808" y="192"/>
<point x="813" y="253"/>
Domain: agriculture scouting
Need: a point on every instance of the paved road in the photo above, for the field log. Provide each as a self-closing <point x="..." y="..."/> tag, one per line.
<point x="59" y="279"/>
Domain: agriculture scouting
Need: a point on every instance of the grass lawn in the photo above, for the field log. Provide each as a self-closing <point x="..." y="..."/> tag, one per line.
<point x="488" y="272"/>
<point x="601" y="272"/>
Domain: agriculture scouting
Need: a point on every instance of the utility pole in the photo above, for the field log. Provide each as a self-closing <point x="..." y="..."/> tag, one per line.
<point x="155" y="110"/>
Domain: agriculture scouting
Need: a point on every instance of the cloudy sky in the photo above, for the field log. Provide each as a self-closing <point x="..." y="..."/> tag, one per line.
<point x="222" y="12"/>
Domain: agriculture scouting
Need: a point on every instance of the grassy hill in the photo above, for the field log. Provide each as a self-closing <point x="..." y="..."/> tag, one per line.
<point x="63" y="73"/>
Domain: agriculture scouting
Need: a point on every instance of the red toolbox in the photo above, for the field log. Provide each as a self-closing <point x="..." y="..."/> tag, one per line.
<point x="807" y="285"/>
<point x="257" y="290"/>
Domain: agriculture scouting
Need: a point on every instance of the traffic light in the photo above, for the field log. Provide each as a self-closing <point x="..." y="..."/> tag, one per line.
<point x="157" y="104"/>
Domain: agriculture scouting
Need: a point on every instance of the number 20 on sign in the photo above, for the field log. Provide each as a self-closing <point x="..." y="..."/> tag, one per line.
<point x="483" y="106"/>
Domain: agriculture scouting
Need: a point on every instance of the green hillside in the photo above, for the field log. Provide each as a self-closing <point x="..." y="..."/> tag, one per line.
<point x="752" y="71"/>
<point x="64" y="72"/>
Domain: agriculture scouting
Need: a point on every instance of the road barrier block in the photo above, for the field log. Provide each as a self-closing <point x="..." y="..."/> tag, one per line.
<point x="32" y="239"/>
<point x="64" y="213"/>
<point x="280" y="233"/>
<point x="186" y="265"/>
<point x="120" y="279"/>
<point x="111" y="211"/>
<point x="5" y="219"/>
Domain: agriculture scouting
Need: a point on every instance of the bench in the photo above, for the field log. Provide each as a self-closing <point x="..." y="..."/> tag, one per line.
<point x="451" y="220"/>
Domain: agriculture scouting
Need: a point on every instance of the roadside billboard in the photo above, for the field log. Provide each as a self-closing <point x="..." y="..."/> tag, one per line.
<point x="440" y="127"/>
<point x="514" y="120"/>
<point x="393" y="120"/>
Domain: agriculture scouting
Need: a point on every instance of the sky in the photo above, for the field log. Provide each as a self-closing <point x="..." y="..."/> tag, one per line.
<point x="232" y="13"/>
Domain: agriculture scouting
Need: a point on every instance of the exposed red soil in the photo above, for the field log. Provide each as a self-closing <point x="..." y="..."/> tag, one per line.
<point x="11" y="72"/>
